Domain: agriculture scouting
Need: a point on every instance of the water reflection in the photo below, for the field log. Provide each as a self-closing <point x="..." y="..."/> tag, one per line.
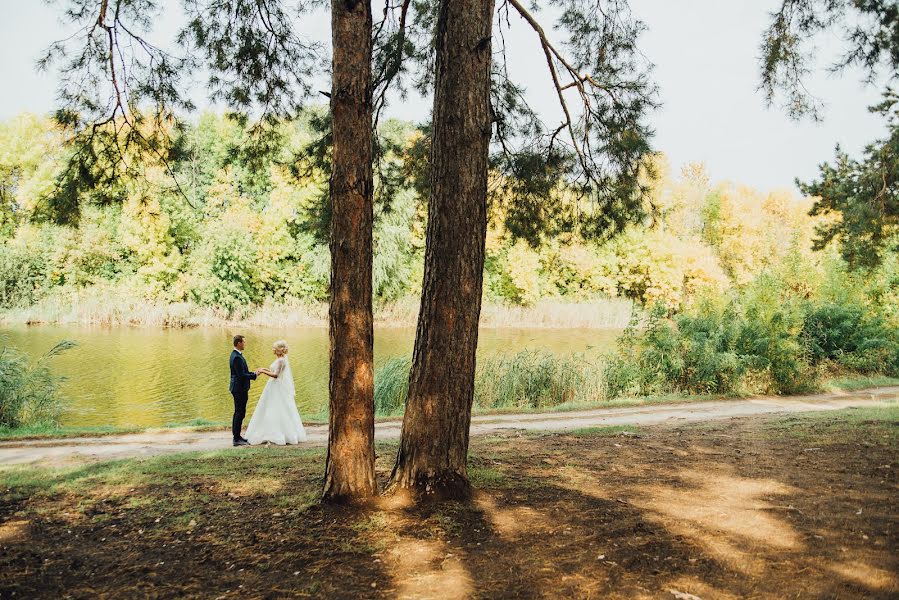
<point x="150" y="377"/>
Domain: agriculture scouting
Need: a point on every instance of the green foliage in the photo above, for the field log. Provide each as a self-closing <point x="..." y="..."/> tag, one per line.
<point x="852" y="337"/>
<point x="29" y="393"/>
<point x="862" y="197"/>
<point x="527" y="379"/>
<point x="693" y="354"/>
<point x="245" y="237"/>
<point x="23" y="276"/>
<point x="770" y="336"/>
<point x="397" y="265"/>
<point x="869" y="30"/>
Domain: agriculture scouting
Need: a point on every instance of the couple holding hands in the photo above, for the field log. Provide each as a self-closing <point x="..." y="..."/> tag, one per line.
<point x="276" y="419"/>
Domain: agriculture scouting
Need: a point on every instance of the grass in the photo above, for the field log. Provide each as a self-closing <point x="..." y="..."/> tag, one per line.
<point x="485" y="476"/>
<point x="253" y="471"/>
<point x="604" y="431"/>
<point x="880" y="423"/>
<point x="264" y="466"/>
<point x="50" y="431"/>
<point x="391" y="386"/>
<point x="539" y="381"/>
<point x="852" y="383"/>
<point x="534" y="379"/>
<point x="528" y="380"/>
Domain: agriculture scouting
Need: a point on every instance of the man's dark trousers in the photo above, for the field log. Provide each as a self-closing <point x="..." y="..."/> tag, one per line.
<point x="240" y="411"/>
<point x="241" y="376"/>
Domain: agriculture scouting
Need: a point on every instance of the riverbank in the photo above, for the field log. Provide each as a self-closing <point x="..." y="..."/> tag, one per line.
<point x="199" y="425"/>
<point x="112" y="308"/>
<point x="60" y="452"/>
<point x="722" y="509"/>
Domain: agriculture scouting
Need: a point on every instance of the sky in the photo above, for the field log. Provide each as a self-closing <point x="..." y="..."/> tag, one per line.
<point x="706" y="66"/>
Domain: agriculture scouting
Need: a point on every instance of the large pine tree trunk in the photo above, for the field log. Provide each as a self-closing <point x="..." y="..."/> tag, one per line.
<point x="350" y="466"/>
<point x="432" y="459"/>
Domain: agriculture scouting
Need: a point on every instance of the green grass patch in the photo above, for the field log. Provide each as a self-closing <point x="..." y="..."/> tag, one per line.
<point x="603" y="431"/>
<point x="868" y="425"/>
<point x="247" y="467"/>
<point x="859" y="382"/>
<point x="51" y="431"/>
<point x="485" y="477"/>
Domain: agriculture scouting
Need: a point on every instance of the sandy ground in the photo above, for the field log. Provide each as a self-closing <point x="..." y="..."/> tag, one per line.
<point x="68" y="451"/>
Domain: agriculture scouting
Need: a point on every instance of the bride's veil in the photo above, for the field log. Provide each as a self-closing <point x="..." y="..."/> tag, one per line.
<point x="287" y="378"/>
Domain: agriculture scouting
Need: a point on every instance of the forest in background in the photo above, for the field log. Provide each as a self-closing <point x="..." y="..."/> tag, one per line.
<point x="237" y="237"/>
<point x="720" y="282"/>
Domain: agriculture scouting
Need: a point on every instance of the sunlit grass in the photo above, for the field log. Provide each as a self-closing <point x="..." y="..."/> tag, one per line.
<point x="880" y="424"/>
<point x="51" y="431"/>
<point x="605" y="430"/>
<point x="232" y="465"/>
<point x="859" y="382"/>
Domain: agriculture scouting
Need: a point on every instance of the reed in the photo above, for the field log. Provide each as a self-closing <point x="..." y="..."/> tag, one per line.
<point x="392" y="386"/>
<point x="535" y="379"/>
<point x="112" y="306"/>
<point x="529" y="379"/>
<point x="29" y="393"/>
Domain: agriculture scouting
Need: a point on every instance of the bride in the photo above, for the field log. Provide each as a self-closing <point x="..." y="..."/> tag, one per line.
<point x="276" y="418"/>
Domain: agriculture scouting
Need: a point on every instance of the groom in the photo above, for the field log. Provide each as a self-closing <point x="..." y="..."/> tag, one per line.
<point x="241" y="376"/>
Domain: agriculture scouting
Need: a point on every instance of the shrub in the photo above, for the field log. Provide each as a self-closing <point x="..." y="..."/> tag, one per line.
<point x="29" y="394"/>
<point x="853" y="338"/>
<point x="23" y="276"/>
<point x="692" y="354"/>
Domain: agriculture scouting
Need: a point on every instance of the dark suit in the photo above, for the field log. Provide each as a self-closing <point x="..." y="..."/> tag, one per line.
<point x="241" y="376"/>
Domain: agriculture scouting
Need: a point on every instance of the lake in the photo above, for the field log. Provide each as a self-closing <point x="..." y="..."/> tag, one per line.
<point x="148" y="377"/>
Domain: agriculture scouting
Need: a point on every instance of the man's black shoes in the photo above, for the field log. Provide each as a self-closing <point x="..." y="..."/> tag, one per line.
<point x="241" y="442"/>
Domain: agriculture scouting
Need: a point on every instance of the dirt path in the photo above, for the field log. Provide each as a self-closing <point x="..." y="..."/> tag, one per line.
<point x="88" y="449"/>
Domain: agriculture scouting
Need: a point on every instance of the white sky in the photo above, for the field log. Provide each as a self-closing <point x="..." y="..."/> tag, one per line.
<point x="705" y="52"/>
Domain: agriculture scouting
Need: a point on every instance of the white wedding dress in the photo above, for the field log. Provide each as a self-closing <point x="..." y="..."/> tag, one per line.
<point x="276" y="418"/>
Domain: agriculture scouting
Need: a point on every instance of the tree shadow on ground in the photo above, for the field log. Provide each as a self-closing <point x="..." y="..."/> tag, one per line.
<point x="566" y="518"/>
<point x="714" y="513"/>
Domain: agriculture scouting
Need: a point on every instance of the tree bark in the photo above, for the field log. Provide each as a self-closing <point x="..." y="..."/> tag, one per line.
<point x="432" y="458"/>
<point x="350" y="465"/>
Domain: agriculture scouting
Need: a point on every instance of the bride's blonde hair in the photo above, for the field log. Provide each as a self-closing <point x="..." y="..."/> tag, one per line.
<point x="280" y="347"/>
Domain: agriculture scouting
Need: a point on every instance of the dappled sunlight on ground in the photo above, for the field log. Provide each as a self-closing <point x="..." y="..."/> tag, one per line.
<point x="582" y="481"/>
<point x="424" y="569"/>
<point x="866" y="575"/>
<point x="112" y="491"/>
<point x="732" y="517"/>
<point x="514" y="521"/>
<point x="13" y="531"/>
<point x="698" y="589"/>
<point x="252" y="486"/>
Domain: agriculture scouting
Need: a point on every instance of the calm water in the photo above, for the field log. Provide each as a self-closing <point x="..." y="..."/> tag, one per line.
<point x="150" y="377"/>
